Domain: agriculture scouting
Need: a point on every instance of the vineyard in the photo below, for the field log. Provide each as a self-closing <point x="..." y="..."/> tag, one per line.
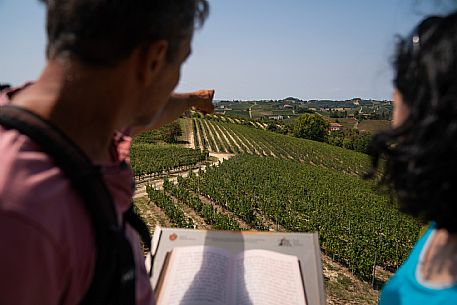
<point x="149" y="159"/>
<point x="217" y="136"/>
<point x="356" y="226"/>
<point x="281" y="183"/>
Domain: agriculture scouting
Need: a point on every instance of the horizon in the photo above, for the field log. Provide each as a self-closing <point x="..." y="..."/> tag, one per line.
<point x="302" y="100"/>
<point x="261" y="50"/>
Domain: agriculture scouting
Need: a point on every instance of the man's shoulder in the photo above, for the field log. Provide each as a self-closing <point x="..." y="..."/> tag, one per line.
<point x="25" y="167"/>
<point x="43" y="222"/>
<point x="32" y="186"/>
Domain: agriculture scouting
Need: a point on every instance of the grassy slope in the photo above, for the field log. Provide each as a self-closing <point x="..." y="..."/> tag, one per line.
<point x="373" y="126"/>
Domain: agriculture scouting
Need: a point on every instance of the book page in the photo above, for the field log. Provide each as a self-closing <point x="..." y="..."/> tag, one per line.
<point x="267" y="278"/>
<point x="196" y="276"/>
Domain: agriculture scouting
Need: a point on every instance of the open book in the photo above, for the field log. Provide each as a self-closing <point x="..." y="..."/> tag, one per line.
<point x="201" y="275"/>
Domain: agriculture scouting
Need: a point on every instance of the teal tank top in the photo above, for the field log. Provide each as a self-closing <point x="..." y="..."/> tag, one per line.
<point x="405" y="287"/>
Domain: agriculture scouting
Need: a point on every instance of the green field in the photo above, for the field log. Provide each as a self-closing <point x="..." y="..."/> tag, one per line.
<point x="346" y="122"/>
<point x="373" y="126"/>
<point x="147" y="159"/>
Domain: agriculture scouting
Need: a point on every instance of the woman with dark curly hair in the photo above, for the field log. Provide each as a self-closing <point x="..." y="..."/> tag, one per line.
<point x="421" y="160"/>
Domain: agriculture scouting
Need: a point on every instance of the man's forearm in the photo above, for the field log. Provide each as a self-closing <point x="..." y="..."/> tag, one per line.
<point x="178" y="103"/>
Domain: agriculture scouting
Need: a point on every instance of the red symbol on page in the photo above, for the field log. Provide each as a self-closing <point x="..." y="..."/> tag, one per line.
<point x="173" y="237"/>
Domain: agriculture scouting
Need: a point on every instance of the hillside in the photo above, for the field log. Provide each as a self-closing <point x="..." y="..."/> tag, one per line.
<point x="277" y="182"/>
<point x="216" y="136"/>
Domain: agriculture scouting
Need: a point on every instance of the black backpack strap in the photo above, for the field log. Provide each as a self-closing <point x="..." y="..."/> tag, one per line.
<point x="134" y="220"/>
<point x="113" y="279"/>
<point x="138" y="224"/>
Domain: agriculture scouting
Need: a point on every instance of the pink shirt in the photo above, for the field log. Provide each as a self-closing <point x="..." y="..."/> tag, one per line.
<point x="47" y="249"/>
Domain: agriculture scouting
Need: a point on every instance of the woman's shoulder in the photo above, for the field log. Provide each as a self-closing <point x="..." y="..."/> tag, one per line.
<point x="405" y="286"/>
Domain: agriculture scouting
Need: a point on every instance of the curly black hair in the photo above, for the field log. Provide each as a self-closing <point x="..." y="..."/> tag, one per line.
<point x="421" y="153"/>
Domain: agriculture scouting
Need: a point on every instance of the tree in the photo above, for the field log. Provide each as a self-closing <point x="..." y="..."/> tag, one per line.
<point x="335" y="138"/>
<point x="170" y="132"/>
<point x="362" y="142"/>
<point x="352" y="139"/>
<point x="272" y="127"/>
<point x="311" y="126"/>
<point x="348" y="143"/>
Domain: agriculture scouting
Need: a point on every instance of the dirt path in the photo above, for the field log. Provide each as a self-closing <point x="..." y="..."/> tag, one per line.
<point x="189" y="133"/>
<point x="199" y="135"/>
<point x="218" y="136"/>
<point x="267" y="151"/>
<point x="266" y="145"/>
<point x="204" y="135"/>
<point x="253" y="148"/>
<point x="152" y="214"/>
<point x="198" y="221"/>
<point x="272" y="225"/>
<point x="157" y="181"/>
<point x="221" y="156"/>
<point x="261" y="125"/>
<point x="240" y="142"/>
<point x="227" y="133"/>
<point x="219" y="209"/>
<point x="342" y="287"/>
<point x="211" y="135"/>
<point x="221" y="134"/>
<point x="273" y="155"/>
<point x="284" y="154"/>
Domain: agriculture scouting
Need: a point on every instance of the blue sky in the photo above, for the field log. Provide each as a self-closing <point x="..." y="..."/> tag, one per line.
<point x="260" y="49"/>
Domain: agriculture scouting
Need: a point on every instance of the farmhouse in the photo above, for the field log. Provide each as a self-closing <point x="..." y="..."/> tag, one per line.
<point x="276" y="117"/>
<point x="335" y="127"/>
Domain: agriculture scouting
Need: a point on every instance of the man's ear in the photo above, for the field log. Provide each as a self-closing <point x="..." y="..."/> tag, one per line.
<point x="152" y="59"/>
